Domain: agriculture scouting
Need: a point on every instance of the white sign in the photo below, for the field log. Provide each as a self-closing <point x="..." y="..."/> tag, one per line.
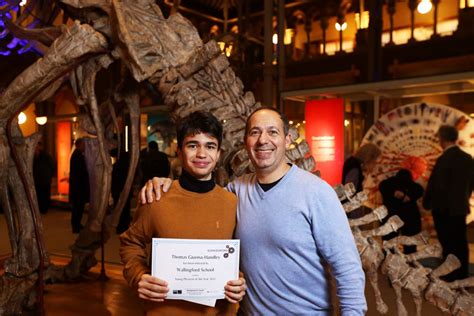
<point x="196" y="270"/>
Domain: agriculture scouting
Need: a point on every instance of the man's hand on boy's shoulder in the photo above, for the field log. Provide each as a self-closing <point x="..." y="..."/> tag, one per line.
<point x="151" y="190"/>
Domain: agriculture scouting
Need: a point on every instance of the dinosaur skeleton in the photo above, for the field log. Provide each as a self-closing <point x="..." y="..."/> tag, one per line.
<point x="133" y="41"/>
<point x="450" y="297"/>
<point x="370" y="250"/>
<point x="404" y="271"/>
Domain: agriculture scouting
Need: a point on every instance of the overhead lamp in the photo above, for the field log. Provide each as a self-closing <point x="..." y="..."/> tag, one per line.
<point x="226" y="48"/>
<point x="346" y="123"/>
<point x="21" y="118"/>
<point x="362" y="20"/>
<point x="41" y="120"/>
<point x="340" y="27"/>
<point x="275" y="38"/>
<point x="22" y="3"/>
<point x="424" y="6"/>
<point x="287" y="37"/>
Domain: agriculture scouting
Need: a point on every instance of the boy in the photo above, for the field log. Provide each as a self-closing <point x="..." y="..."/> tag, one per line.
<point x="194" y="207"/>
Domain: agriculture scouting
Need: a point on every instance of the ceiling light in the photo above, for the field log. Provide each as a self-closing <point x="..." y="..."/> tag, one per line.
<point x="340" y="27"/>
<point x="424" y="6"/>
<point x="21" y="118"/>
<point x="41" y="120"/>
<point x="275" y="39"/>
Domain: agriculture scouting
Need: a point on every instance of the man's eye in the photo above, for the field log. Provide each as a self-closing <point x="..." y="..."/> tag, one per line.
<point x="273" y="132"/>
<point x="191" y="146"/>
<point x="212" y="147"/>
<point x="254" y="133"/>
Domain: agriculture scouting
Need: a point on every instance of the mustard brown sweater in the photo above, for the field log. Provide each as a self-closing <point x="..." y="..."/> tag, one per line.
<point x="179" y="214"/>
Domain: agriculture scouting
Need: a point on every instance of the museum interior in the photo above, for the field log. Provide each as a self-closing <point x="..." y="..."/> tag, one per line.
<point x="344" y="72"/>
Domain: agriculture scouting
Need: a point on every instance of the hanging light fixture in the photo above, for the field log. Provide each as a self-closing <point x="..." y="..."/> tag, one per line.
<point x="21" y="118"/>
<point x="340" y="27"/>
<point x="424" y="6"/>
<point x="41" y="120"/>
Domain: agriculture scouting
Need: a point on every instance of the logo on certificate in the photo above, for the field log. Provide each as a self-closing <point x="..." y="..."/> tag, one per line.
<point x="177" y="292"/>
<point x="230" y="250"/>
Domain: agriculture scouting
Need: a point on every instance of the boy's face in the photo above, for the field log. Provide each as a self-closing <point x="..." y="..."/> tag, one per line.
<point x="199" y="155"/>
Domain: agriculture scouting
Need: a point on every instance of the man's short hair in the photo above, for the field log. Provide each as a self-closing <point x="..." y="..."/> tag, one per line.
<point x="284" y="119"/>
<point x="448" y="133"/>
<point x="199" y="122"/>
<point x="153" y="145"/>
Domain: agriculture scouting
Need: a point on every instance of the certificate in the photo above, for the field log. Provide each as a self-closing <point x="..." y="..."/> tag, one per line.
<point x="195" y="269"/>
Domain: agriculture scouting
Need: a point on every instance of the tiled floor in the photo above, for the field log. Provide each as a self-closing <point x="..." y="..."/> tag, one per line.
<point x="113" y="297"/>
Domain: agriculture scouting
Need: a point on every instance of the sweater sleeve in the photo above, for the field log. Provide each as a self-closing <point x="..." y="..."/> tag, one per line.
<point x="133" y="244"/>
<point x="336" y="244"/>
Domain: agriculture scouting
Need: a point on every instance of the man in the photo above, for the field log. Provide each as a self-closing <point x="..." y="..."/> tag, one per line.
<point x="43" y="172"/>
<point x="400" y="194"/>
<point x="447" y="194"/>
<point x="78" y="185"/>
<point x="153" y="163"/>
<point x="194" y="207"/>
<point x="292" y="227"/>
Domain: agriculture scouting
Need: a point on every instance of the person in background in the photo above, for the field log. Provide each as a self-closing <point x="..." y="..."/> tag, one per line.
<point x="43" y="172"/>
<point x="153" y="163"/>
<point x="400" y="194"/>
<point x="119" y="176"/>
<point x="78" y="185"/>
<point x="356" y="167"/>
<point x="447" y="194"/>
<point x="194" y="207"/>
<point x="292" y="227"/>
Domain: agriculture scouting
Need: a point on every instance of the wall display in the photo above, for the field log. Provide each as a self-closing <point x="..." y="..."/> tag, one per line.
<point x="407" y="137"/>
<point x="325" y="135"/>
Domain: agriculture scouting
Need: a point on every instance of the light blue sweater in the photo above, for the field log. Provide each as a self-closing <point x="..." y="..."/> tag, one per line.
<point x="288" y="234"/>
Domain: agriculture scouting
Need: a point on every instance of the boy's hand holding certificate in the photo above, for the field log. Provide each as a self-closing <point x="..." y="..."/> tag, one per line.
<point x="196" y="270"/>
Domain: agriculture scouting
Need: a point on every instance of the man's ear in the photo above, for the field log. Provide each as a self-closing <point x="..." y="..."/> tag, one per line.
<point x="218" y="154"/>
<point x="179" y="153"/>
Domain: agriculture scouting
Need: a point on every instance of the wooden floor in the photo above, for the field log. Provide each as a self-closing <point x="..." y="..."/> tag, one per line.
<point x="93" y="297"/>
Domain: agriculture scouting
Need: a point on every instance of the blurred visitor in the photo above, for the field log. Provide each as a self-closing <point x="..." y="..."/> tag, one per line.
<point x="400" y="194"/>
<point x="357" y="167"/>
<point x="43" y="172"/>
<point x="447" y="194"/>
<point x="78" y="185"/>
<point x="153" y="163"/>
<point x="119" y="176"/>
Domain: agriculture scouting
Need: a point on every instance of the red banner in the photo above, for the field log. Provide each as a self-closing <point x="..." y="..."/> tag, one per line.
<point x="63" y="146"/>
<point x="325" y="136"/>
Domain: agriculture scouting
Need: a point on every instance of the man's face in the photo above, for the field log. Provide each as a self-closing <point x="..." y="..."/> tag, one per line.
<point x="266" y="141"/>
<point x="199" y="155"/>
